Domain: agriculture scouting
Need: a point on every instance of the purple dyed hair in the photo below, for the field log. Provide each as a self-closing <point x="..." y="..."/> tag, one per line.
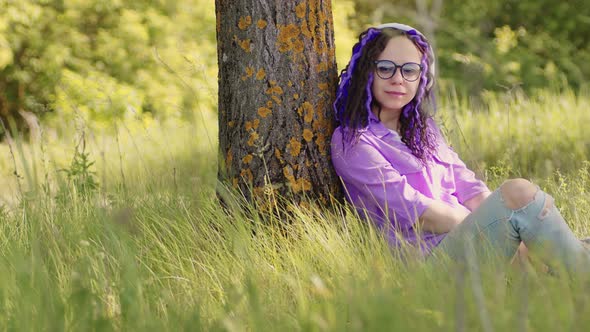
<point x="346" y="78"/>
<point x="354" y="98"/>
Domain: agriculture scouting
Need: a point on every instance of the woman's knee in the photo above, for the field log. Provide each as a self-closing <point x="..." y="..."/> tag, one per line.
<point x="517" y="193"/>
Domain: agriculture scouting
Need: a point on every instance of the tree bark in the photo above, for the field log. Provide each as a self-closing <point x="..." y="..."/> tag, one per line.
<point x="277" y="78"/>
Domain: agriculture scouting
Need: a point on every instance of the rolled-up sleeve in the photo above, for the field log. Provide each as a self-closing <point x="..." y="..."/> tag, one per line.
<point x="375" y="187"/>
<point x="466" y="183"/>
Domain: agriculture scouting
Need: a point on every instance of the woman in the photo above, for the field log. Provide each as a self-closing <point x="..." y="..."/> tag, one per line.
<point x="399" y="172"/>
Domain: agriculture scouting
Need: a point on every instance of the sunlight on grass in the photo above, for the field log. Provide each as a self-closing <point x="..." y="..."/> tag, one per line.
<point x="121" y="229"/>
<point x="151" y="248"/>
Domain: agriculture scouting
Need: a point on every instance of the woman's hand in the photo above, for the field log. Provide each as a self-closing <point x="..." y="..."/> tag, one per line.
<point x="441" y="218"/>
<point x="474" y="202"/>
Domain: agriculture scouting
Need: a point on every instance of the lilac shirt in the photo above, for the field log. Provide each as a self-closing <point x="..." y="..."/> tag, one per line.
<point x="390" y="186"/>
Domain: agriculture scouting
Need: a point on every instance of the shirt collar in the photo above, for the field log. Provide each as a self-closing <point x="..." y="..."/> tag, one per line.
<point x="376" y="127"/>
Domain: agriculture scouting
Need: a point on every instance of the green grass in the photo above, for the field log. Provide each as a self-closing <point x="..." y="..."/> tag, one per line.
<point x="151" y="249"/>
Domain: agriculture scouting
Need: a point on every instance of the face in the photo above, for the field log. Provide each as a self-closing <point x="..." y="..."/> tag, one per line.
<point x="396" y="92"/>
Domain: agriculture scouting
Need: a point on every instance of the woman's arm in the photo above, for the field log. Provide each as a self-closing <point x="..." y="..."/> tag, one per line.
<point x="441" y="218"/>
<point x="469" y="190"/>
<point x="474" y="202"/>
<point x="372" y="184"/>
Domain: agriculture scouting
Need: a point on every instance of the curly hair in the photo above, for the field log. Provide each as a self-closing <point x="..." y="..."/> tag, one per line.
<point x="354" y="98"/>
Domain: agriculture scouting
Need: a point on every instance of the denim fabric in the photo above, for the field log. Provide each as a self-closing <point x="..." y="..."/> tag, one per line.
<point x="495" y="230"/>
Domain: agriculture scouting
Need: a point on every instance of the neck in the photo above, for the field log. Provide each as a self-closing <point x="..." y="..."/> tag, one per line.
<point x="388" y="117"/>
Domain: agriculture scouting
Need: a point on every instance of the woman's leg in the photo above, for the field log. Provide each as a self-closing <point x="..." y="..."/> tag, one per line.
<point x="518" y="211"/>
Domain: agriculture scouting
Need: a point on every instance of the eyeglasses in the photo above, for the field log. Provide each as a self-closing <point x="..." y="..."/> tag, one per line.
<point x="386" y="69"/>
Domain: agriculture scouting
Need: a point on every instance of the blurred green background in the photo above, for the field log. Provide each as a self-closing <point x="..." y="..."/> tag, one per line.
<point x="109" y="218"/>
<point x="110" y="60"/>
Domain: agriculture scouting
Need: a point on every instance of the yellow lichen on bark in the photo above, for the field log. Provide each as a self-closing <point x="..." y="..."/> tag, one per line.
<point x="322" y="67"/>
<point x="244" y="22"/>
<point x="307" y="135"/>
<point x="288" y="39"/>
<point x="274" y="90"/>
<point x="321" y="125"/>
<point x="249" y="73"/>
<point x="231" y="124"/>
<point x="265" y="197"/>
<point x="277" y="100"/>
<point x="246" y="45"/>
<point x="229" y="157"/>
<point x="300" y="10"/>
<point x="264" y="112"/>
<point x="247" y="175"/>
<point x="323" y="199"/>
<point x="320" y="42"/>
<point x="301" y="184"/>
<point x="253" y="137"/>
<point x="321" y="142"/>
<point x="296" y="96"/>
<point x="312" y="18"/>
<point x="307" y="112"/>
<point x="288" y="172"/>
<point x="305" y="30"/>
<point x="261" y="74"/>
<point x="261" y="24"/>
<point x="252" y="125"/>
<point x="247" y="159"/>
<point x="297" y="185"/>
<point x="294" y="147"/>
<point x="278" y="155"/>
<point x="314" y="26"/>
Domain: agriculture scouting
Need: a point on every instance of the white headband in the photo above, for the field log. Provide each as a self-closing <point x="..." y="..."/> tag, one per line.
<point x="406" y="28"/>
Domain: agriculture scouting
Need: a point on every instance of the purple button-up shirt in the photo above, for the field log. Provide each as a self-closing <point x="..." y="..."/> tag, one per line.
<point x="388" y="184"/>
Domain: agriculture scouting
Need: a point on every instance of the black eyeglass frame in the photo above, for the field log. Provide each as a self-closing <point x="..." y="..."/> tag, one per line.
<point x="395" y="67"/>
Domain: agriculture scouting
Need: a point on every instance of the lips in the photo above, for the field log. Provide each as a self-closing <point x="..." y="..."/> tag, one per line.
<point x="395" y="93"/>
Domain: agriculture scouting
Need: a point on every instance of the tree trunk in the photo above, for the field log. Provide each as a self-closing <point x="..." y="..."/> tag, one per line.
<point x="12" y="114"/>
<point x="277" y="78"/>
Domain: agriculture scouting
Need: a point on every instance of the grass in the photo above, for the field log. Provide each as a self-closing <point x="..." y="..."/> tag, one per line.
<point x="151" y="249"/>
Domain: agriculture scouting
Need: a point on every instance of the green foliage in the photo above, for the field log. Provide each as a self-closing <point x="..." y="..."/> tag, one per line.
<point x="107" y="60"/>
<point x="499" y="44"/>
<point x="97" y="99"/>
<point x="163" y="255"/>
<point x="344" y="36"/>
<point x="81" y="180"/>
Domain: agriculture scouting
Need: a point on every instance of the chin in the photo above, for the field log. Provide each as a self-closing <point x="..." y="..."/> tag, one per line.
<point x="397" y="107"/>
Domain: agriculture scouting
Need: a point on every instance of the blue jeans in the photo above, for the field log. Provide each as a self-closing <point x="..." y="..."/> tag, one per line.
<point x="495" y="229"/>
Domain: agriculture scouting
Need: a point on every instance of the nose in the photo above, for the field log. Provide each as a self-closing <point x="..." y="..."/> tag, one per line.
<point x="397" y="76"/>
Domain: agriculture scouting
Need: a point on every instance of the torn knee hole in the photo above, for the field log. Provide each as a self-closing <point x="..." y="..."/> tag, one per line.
<point x="546" y="207"/>
<point x="517" y="193"/>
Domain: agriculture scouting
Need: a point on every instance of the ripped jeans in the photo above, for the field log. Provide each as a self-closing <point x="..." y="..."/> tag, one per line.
<point x="494" y="228"/>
